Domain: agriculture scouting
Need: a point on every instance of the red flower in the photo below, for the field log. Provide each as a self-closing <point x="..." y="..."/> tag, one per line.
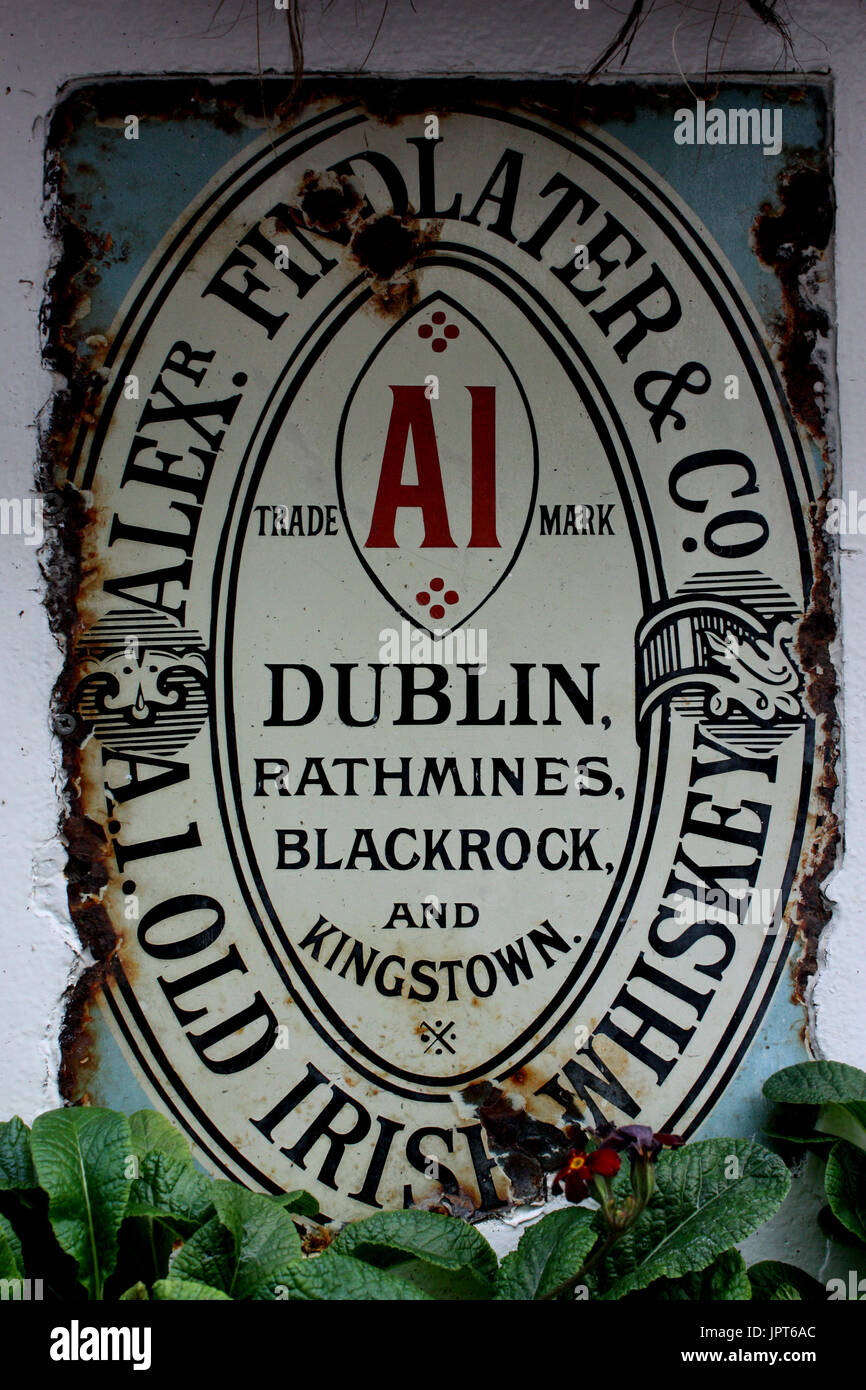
<point x="580" y="1169"/>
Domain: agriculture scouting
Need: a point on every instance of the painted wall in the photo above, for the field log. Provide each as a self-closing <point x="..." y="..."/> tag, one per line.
<point x="45" y="45"/>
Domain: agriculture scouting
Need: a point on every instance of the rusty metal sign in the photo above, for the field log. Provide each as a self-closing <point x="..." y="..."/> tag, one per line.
<point x="444" y="750"/>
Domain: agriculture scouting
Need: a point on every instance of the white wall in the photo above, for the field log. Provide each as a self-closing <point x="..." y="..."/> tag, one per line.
<point x="48" y="42"/>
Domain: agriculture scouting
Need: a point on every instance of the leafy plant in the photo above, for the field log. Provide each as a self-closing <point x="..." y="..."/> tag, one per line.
<point x="101" y="1205"/>
<point x="823" y="1105"/>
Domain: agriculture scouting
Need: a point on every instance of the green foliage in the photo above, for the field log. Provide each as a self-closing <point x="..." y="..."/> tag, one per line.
<point x="166" y="1289"/>
<point x="171" y="1192"/>
<point x="817" y="1083"/>
<point x="103" y="1205"/>
<point x="549" y="1254"/>
<point x="154" y="1133"/>
<point x="845" y="1185"/>
<point x="208" y="1257"/>
<point x="774" y="1280"/>
<point x="80" y="1156"/>
<point x="301" y="1202"/>
<point x="819" y="1102"/>
<point x="824" y="1103"/>
<point x="427" y="1237"/>
<point x="264" y="1241"/>
<point x="342" y="1277"/>
<point x="11" y="1258"/>
<point x="726" y="1280"/>
<point x="700" y="1209"/>
<point x="16" y="1160"/>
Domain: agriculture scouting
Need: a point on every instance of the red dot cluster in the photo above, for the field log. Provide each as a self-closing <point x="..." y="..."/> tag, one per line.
<point x="439" y="343"/>
<point x="437" y="585"/>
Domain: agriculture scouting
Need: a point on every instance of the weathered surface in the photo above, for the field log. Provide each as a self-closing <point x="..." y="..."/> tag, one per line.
<point x="390" y="249"/>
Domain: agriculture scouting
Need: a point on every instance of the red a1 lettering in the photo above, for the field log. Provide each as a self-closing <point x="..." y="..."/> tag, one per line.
<point x="412" y="413"/>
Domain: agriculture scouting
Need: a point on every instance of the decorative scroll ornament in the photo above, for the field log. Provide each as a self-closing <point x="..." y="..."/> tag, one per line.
<point x="724" y="664"/>
<point x="144" y="688"/>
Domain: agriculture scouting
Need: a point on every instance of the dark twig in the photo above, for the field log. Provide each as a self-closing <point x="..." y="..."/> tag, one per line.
<point x="621" y="41"/>
<point x="640" y="11"/>
<point x="375" y="36"/>
<point x="766" y="12"/>
<point x="295" y="24"/>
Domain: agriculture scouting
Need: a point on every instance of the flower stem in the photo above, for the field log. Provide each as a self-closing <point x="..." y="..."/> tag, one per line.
<point x="598" y="1253"/>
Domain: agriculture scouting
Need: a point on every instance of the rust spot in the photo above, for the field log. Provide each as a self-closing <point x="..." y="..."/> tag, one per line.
<point x="94" y="927"/>
<point x="791" y="238"/>
<point x="317" y="1239"/>
<point x="75" y="352"/>
<point x="79" y="1058"/>
<point x="457" y="1203"/>
<point x="87" y="844"/>
<point x="328" y="206"/>
<point x="384" y="244"/>
<point x="811" y="908"/>
<point x="88" y="847"/>
<point x="526" y="1149"/>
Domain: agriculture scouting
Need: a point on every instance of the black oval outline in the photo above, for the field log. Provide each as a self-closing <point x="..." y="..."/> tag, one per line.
<point x="588" y="401"/>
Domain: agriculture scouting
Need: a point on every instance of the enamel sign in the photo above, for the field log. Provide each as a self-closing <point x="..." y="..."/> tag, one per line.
<point x="436" y="687"/>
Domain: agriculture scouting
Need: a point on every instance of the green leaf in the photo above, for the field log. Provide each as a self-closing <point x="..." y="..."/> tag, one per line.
<point x="16" y="1161"/>
<point x="11" y="1258"/>
<point x="171" y="1191"/>
<point x="830" y="1226"/>
<point x="817" y="1083"/>
<point x="151" y="1130"/>
<point x="208" y="1257"/>
<point x="773" y="1279"/>
<point x="137" y="1294"/>
<point x="549" y="1253"/>
<point x="82" y="1158"/>
<point x="444" y="1241"/>
<point x="844" y="1122"/>
<point x="42" y="1256"/>
<point x="724" y="1281"/>
<point x="838" y="1092"/>
<point x="304" y="1203"/>
<point x="695" y="1213"/>
<point x="244" y="1248"/>
<point x="445" y="1285"/>
<point x="144" y="1252"/>
<point x="770" y="1279"/>
<point x="845" y="1184"/>
<point x="340" y="1277"/>
<point x="186" y="1289"/>
<point x="728" y="1278"/>
<point x="795" y="1124"/>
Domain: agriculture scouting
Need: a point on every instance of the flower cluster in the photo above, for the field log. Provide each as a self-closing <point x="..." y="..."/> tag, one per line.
<point x="592" y="1169"/>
